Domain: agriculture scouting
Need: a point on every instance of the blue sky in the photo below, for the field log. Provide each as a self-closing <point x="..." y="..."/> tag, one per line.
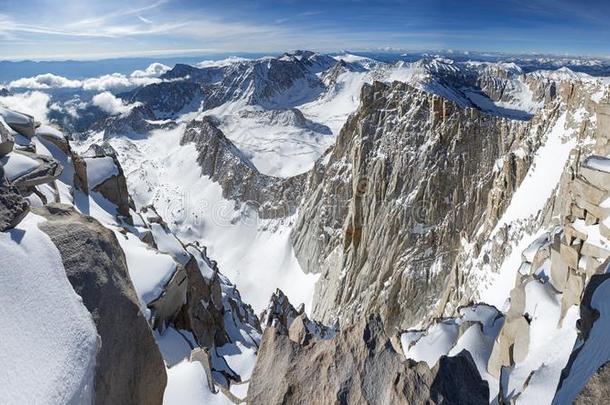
<point x="87" y="29"/>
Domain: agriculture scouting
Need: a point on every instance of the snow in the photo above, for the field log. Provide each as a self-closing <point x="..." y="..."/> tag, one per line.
<point x="439" y="339"/>
<point x="338" y="102"/>
<point x="594" y="352"/>
<point x="187" y="385"/>
<point x="16" y="165"/>
<point x="544" y="174"/>
<point x="168" y="243"/>
<point x="149" y="270"/>
<point x="275" y="141"/>
<point x="100" y="169"/>
<point x="175" y="345"/>
<point x="255" y="254"/>
<point x="239" y="358"/>
<point x="549" y="348"/>
<point x="50" y="131"/>
<point x="49" y="340"/>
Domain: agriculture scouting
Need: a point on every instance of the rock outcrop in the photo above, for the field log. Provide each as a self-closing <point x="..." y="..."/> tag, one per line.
<point x="287" y="320"/>
<point x="20" y="122"/>
<point x="105" y="175"/>
<point x="13" y="207"/>
<point x="7" y="141"/>
<point x="129" y="367"/>
<point x="224" y="163"/>
<point x="358" y="365"/>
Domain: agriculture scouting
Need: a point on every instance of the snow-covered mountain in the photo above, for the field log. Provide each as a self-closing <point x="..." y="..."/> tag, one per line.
<point x="436" y="218"/>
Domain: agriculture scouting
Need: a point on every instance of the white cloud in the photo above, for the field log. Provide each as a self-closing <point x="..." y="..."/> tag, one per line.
<point x="116" y="81"/>
<point x="35" y="103"/>
<point x="111" y="104"/>
<point x="223" y="62"/>
<point x="102" y="83"/>
<point x="154" y="70"/>
<point x="45" y="81"/>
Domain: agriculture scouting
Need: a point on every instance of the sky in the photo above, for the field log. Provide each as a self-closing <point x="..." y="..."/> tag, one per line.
<point x="95" y="29"/>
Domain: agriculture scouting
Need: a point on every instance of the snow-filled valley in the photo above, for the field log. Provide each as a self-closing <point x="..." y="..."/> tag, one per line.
<point x="182" y="213"/>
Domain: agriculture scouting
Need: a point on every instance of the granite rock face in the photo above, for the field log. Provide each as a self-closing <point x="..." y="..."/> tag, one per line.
<point x="129" y="366"/>
<point x="358" y="365"/>
<point x="385" y="211"/>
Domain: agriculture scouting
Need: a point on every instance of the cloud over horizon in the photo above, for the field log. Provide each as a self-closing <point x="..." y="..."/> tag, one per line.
<point x="112" y="81"/>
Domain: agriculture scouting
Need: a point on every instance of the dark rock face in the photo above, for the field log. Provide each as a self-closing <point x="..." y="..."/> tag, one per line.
<point x="129" y="369"/>
<point x="168" y="98"/>
<point x="13" y="207"/>
<point x="137" y="122"/>
<point x="224" y="163"/>
<point x="458" y="381"/>
<point x="359" y="365"/>
<point x="203" y="312"/>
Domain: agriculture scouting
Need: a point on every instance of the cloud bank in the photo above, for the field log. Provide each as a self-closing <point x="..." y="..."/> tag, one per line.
<point x="35" y="103"/>
<point x="107" y="102"/>
<point x="114" y="81"/>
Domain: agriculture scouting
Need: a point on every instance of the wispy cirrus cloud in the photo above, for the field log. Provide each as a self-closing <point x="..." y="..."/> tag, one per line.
<point x="36" y="28"/>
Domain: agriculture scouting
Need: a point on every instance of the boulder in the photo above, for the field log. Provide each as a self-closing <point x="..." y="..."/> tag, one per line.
<point x="13" y="207"/>
<point x="569" y="255"/>
<point x="54" y="136"/>
<point x="559" y="271"/>
<point x="597" y="178"/>
<point x="588" y="191"/>
<point x="105" y="176"/>
<point x="7" y="141"/>
<point x="591" y="249"/>
<point x="358" y="366"/>
<point x="26" y="170"/>
<point x="511" y="345"/>
<point x="129" y="366"/>
<point x="22" y="123"/>
<point x="165" y="307"/>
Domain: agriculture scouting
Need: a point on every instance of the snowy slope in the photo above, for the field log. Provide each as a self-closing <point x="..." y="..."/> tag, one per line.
<point x="255" y="254"/>
<point x="49" y="340"/>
